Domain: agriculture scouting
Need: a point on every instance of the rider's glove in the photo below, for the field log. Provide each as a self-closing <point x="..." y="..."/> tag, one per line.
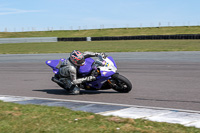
<point x="90" y="78"/>
<point x="103" y="55"/>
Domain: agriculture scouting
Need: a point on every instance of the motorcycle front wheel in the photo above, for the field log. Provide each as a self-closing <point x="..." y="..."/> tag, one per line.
<point x="121" y="83"/>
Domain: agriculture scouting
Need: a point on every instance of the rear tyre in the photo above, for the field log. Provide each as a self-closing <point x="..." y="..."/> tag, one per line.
<point x="121" y="83"/>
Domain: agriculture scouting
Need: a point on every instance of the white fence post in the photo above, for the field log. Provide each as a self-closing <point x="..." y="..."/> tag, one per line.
<point x="88" y="39"/>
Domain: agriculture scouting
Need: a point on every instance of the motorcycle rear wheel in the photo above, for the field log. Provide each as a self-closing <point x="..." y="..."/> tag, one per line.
<point x="121" y="83"/>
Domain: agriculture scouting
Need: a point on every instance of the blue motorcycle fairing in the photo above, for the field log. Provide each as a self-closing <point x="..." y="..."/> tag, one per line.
<point x="86" y="68"/>
<point x="54" y="64"/>
<point x="97" y="84"/>
<point x="83" y="70"/>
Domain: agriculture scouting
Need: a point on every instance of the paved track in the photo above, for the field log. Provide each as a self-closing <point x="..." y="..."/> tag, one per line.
<point x="160" y="79"/>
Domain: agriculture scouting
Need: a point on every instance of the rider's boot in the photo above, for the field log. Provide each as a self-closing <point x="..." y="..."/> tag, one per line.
<point x="75" y="90"/>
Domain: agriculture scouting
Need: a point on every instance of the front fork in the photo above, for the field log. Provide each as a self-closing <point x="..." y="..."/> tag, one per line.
<point x="112" y="82"/>
<point x="113" y="85"/>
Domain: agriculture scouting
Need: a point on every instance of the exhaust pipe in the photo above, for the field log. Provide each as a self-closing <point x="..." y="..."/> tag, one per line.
<point x="57" y="81"/>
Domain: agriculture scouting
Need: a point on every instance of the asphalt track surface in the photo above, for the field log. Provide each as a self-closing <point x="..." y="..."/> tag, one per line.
<point x="159" y="79"/>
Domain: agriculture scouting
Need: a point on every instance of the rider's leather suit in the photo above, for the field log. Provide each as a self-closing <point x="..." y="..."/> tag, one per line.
<point x="68" y="71"/>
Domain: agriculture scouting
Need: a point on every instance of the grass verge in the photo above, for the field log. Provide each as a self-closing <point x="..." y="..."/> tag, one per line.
<point x="34" y="118"/>
<point x="102" y="46"/>
<point x="106" y="32"/>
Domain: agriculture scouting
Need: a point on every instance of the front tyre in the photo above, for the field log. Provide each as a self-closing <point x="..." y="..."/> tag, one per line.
<point x="121" y="83"/>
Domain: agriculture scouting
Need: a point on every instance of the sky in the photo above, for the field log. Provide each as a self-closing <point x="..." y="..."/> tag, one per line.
<point x="24" y="15"/>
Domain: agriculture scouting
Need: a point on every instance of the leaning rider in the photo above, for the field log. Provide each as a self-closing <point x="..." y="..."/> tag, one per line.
<point x="69" y="68"/>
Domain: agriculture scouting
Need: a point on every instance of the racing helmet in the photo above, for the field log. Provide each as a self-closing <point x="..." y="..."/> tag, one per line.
<point x="77" y="58"/>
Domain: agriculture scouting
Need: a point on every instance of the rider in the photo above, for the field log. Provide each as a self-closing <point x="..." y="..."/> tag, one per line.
<point x="69" y="68"/>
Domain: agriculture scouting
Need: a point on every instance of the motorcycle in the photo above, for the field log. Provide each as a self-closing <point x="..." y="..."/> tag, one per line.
<point x="107" y="76"/>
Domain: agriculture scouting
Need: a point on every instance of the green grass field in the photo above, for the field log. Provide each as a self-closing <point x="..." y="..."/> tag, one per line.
<point x="102" y="46"/>
<point x="106" y="32"/>
<point x="15" y="118"/>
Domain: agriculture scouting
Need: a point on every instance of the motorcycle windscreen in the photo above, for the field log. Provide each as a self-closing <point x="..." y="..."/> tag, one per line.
<point x="109" y="57"/>
<point x="87" y="67"/>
